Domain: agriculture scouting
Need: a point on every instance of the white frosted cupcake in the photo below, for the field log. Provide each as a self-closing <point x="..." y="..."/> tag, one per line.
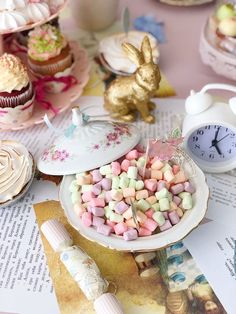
<point x="111" y="52"/>
<point x="16" y="170"/>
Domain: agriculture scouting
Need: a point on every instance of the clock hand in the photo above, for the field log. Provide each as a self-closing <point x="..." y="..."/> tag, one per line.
<point x="214" y="142"/>
<point x="217" y="149"/>
<point x="216" y="134"/>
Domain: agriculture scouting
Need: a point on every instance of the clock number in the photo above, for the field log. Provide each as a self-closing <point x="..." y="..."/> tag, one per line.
<point x="197" y="146"/>
<point x="234" y="144"/>
<point x="207" y="127"/>
<point x="230" y="151"/>
<point x="211" y="156"/>
<point x="195" y="138"/>
<point x="200" y="132"/>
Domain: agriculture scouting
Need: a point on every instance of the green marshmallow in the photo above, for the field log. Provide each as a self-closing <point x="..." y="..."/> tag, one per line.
<point x="139" y="185"/>
<point x="86" y="188"/>
<point x="81" y="174"/>
<point x="116" y="217"/>
<point x="124" y="182"/>
<point x="156" y="206"/>
<point x="76" y="197"/>
<point x="132" y="183"/>
<point x="141" y="162"/>
<point x="159" y="218"/>
<point x="112" y="204"/>
<point x="109" y="175"/>
<point x="104" y="170"/>
<point x="163" y="193"/>
<point x="170" y="196"/>
<point x="123" y="175"/>
<point x="165" y="168"/>
<point x="108" y="211"/>
<point x="73" y="186"/>
<point x="164" y="204"/>
<point x="187" y="202"/>
<point x="115" y="183"/>
<point x="143" y="205"/>
<point x="182" y="195"/>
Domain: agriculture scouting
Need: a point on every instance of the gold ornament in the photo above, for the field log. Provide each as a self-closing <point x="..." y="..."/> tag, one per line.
<point x="125" y="95"/>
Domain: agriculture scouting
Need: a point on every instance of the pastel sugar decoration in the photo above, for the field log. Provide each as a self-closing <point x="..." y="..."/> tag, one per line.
<point x="130" y="234"/>
<point x="121" y="207"/>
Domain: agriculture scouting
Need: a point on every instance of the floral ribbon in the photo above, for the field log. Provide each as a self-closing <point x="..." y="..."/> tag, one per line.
<point x="40" y="85"/>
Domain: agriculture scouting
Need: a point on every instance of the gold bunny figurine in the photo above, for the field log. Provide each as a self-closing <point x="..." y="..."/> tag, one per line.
<point x="127" y="94"/>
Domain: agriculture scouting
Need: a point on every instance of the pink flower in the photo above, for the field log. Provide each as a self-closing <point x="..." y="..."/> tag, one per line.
<point x="96" y="146"/>
<point x="112" y="137"/>
<point x="56" y="155"/>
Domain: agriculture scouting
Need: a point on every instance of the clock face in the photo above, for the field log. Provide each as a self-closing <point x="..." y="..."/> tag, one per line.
<point x="213" y="143"/>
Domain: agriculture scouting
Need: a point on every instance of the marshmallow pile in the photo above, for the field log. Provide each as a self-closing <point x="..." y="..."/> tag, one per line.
<point x="102" y="197"/>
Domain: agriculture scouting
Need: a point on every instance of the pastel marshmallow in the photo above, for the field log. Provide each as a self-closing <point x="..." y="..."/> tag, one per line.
<point x="98" y="211"/>
<point x="188" y="187"/>
<point x="139" y="185"/>
<point x="129" y="192"/>
<point x="79" y="209"/>
<point x="97" y="221"/>
<point x="177" y="188"/>
<point x="105" y="170"/>
<point x="117" y="195"/>
<point x="132" y="183"/>
<point x="104" y="229"/>
<point x="187" y="202"/>
<point x="115" y="168"/>
<point x="151" y="199"/>
<point x="129" y="200"/>
<point x="161" y="185"/>
<point x="132" y="172"/>
<point x="164" y="204"/>
<point x="174" y="217"/>
<point x="167" y="225"/>
<point x="87" y="219"/>
<point x="87" y="196"/>
<point x="133" y="154"/>
<point x="120" y="228"/>
<point x="107" y="211"/>
<point x="156" y="174"/>
<point x="116" y="217"/>
<point x="149" y="213"/>
<point x="108" y="196"/>
<point x="141" y="162"/>
<point x="163" y="193"/>
<point x="150" y="224"/>
<point x="156" y="206"/>
<point x="125" y="165"/>
<point x="141" y="194"/>
<point x="124" y="182"/>
<point x="169" y="176"/>
<point x="143" y="232"/>
<point x="180" y="177"/>
<point x="128" y="213"/>
<point x="166" y="167"/>
<point x="157" y="165"/>
<point x="121" y="207"/>
<point x="177" y="200"/>
<point x="151" y="184"/>
<point x="143" y="205"/>
<point x="175" y="169"/>
<point x="86" y="188"/>
<point x="96" y="189"/>
<point x="159" y="218"/>
<point x="76" y="197"/>
<point x="97" y="202"/>
<point x="179" y="212"/>
<point x="73" y="187"/>
<point x="130" y="235"/>
<point x="141" y="217"/>
<point x="130" y="223"/>
<point x="115" y="183"/>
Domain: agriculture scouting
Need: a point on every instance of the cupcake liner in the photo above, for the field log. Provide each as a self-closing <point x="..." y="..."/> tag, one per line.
<point x="56" y="87"/>
<point x="51" y="69"/>
<point x="18" y="114"/>
<point x="18" y="100"/>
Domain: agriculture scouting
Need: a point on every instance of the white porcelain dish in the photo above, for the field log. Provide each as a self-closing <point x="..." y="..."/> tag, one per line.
<point x="190" y="220"/>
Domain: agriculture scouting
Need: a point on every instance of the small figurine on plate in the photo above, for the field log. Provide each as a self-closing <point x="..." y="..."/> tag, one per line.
<point x="125" y="95"/>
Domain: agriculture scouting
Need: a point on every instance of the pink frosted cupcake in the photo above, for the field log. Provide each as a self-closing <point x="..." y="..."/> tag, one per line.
<point x="16" y="91"/>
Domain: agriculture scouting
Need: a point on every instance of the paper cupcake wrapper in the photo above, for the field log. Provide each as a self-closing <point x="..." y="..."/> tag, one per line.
<point x="18" y="100"/>
<point x="56" y="87"/>
<point x="18" y="114"/>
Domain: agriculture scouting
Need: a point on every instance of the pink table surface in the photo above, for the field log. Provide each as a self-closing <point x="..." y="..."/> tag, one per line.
<point x="180" y="60"/>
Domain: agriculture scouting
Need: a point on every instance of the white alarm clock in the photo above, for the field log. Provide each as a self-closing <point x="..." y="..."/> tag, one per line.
<point x="209" y="130"/>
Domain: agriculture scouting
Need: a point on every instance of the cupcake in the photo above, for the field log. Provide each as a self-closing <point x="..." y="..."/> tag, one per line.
<point x="49" y="54"/>
<point x="16" y="91"/>
<point x="16" y="170"/>
<point x="112" y="54"/>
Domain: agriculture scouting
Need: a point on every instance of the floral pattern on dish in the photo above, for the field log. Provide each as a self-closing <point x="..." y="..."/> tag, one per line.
<point x="53" y="154"/>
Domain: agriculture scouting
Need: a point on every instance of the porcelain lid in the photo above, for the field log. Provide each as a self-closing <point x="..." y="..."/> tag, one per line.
<point x="86" y="145"/>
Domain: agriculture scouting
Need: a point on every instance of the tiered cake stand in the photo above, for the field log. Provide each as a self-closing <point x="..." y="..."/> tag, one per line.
<point x="61" y="101"/>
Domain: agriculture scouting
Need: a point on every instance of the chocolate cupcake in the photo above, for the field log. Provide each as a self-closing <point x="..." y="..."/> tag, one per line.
<point x="48" y="51"/>
<point x="16" y="90"/>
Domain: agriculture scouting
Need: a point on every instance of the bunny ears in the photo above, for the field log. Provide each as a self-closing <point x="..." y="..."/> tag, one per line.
<point x="139" y="57"/>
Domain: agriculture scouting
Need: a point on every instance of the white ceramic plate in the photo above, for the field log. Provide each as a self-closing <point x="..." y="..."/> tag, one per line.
<point x="190" y="220"/>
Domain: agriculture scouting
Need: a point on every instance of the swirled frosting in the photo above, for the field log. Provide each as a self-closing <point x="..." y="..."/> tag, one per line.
<point x="12" y="4"/>
<point x="37" y="11"/>
<point x="15" y="169"/>
<point x="45" y="42"/>
<point x="114" y="55"/>
<point x="14" y="75"/>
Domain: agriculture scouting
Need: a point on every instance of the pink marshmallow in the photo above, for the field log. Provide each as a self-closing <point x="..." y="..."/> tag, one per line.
<point x="121" y="207"/>
<point x="104" y="229"/>
<point x="133" y="154"/>
<point x="149" y="213"/>
<point x="160" y="185"/>
<point x="97" y="202"/>
<point x="115" y="168"/>
<point x="96" y="189"/>
<point x="174" y="217"/>
<point x="177" y="200"/>
<point x="120" y="228"/>
<point x="177" y="188"/>
<point x="167" y="225"/>
<point x="98" y="211"/>
<point x="87" y="219"/>
<point x="165" y="214"/>
<point x="143" y="232"/>
<point x="151" y="185"/>
<point x="96" y="176"/>
<point x="147" y="173"/>
<point x="108" y="196"/>
<point x="130" y="235"/>
<point x="175" y="169"/>
<point x="111" y="224"/>
<point x="125" y="165"/>
<point x="150" y="224"/>
<point x="106" y="184"/>
<point x="87" y="196"/>
<point x="128" y="213"/>
<point x="97" y="221"/>
<point x="188" y="187"/>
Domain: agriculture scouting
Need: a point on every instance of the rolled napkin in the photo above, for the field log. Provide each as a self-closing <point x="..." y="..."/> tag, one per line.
<point x="16" y="169"/>
<point x="81" y="267"/>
